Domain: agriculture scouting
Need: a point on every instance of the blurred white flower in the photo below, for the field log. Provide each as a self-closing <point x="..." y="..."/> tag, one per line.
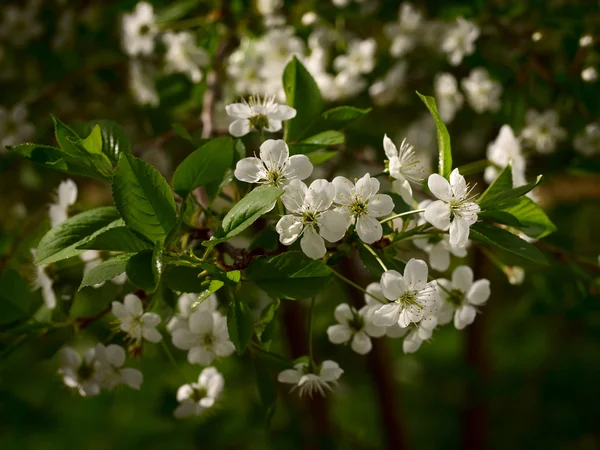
<point x="588" y="141"/>
<point x="135" y="322"/>
<point x="416" y="334"/>
<point x="449" y="99"/>
<point x="268" y="7"/>
<point x="359" y="59"/>
<point x="14" y="128"/>
<point x="439" y="249"/>
<point x="139" y="30"/>
<point x="307" y="381"/>
<point x="361" y="205"/>
<point x="460" y="40"/>
<point x="20" y="25"/>
<point x="188" y="303"/>
<point x="515" y="274"/>
<point x="404" y="33"/>
<point x="504" y="150"/>
<point x="542" y="131"/>
<point x="275" y="166"/>
<point x="411" y="296"/>
<point x="384" y="91"/>
<point x="142" y="84"/>
<point x="194" y="398"/>
<point x="353" y="328"/>
<point x="184" y="55"/>
<point x="309" y="18"/>
<point x="259" y="114"/>
<point x="205" y="337"/>
<point x="589" y="74"/>
<point x="454" y="211"/>
<point x="462" y="296"/>
<point x="110" y="372"/>
<point x="483" y="93"/>
<point x="44" y="282"/>
<point x="340" y="87"/>
<point x="79" y="373"/>
<point x="587" y="40"/>
<point x="66" y="196"/>
<point x="310" y="217"/>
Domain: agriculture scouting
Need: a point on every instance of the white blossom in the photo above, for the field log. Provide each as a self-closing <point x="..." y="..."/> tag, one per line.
<point x="416" y="334"/>
<point x="449" y="99"/>
<point x="139" y="30"/>
<point x="268" y="7"/>
<point x="483" y="93"/>
<point x="374" y="298"/>
<point x="504" y="150"/>
<point x="44" y="282"/>
<point x="14" y="128"/>
<point x="588" y="141"/>
<point x="587" y="40"/>
<point x="79" y="373"/>
<point x="109" y="362"/>
<point x="589" y="74"/>
<point x="411" y="297"/>
<point x="384" y="91"/>
<point x="462" y="296"/>
<point x="404" y="166"/>
<point x="141" y="84"/>
<point x="454" y="211"/>
<point x="66" y="196"/>
<point x="361" y="205"/>
<point x="542" y="131"/>
<point x="195" y="398"/>
<point x="186" y="305"/>
<point x="460" y="40"/>
<point x="20" y="25"/>
<point x="184" y="55"/>
<point x="439" y="250"/>
<point x="405" y="33"/>
<point x="205" y="337"/>
<point x="259" y="114"/>
<point x="310" y="217"/>
<point x="342" y="86"/>
<point x="307" y="381"/>
<point x="360" y="58"/>
<point x="135" y="322"/>
<point x="275" y="166"/>
<point x="353" y="328"/>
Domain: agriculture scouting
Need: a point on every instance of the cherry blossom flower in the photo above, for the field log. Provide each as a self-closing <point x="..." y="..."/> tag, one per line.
<point x="504" y="150"/>
<point x="142" y="84"/>
<point x="417" y="334"/>
<point x="310" y="217"/>
<point x="588" y="142"/>
<point x="374" y="298"/>
<point x="259" y="114"/>
<point x="361" y="205"/>
<point x="195" y="398"/>
<point x="411" y="296"/>
<point x="404" y="33"/>
<point x="14" y="127"/>
<point x="135" y="322"/>
<point x="79" y="373"/>
<point x="460" y="40"/>
<point x="448" y="98"/>
<point x="483" y="93"/>
<point x="139" y="30"/>
<point x="110" y="372"/>
<point x="307" y="381"/>
<point x="205" y="337"/>
<point x="186" y="305"/>
<point x="454" y="211"/>
<point x="184" y="55"/>
<point x="462" y="296"/>
<point x="360" y="58"/>
<point x="384" y="91"/>
<point x="275" y="166"/>
<point x="353" y="328"/>
<point x="404" y="167"/>
<point x="542" y="131"/>
<point x="20" y="24"/>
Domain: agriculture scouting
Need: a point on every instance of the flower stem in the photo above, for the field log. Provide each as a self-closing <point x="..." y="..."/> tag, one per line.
<point x="356" y="286"/>
<point x="310" y="329"/>
<point x="395" y="216"/>
<point x="372" y="252"/>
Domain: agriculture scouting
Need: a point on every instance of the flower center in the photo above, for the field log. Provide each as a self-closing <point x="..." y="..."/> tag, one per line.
<point x="409" y="298"/>
<point x="208" y="340"/>
<point x="274" y="177"/>
<point x="455" y="297"/>
<point x="357" y="322"/>
<point x="359" y="208"/>
<point x="85" y="372"/>
<point x="259" y="121"/>
<point x="199" y="393"/>
<point x="144" y="29"/>
<point x="309" y="218"/>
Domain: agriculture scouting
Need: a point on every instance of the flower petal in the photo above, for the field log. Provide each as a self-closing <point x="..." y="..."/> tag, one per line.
<point x="439" y="258"/>
<point x="369" y="229"/>
<point x="274" y="126"/>
<point x="387" y="315"/>
<point x="330" y="371"/>
<point x="462" y="278"/>
<point x="133" y="305"/>
<point x="151" y="335"/>
<point x="380" y="205"/>
<point x="312" y="244"/>
<point x="294" y="196"/>
<point x="199" y="355"/>
<point x="274" y="153"/>
<point x="343" y="313"/>
<point x="283" y="112"/>
<point x="439" y="187"/>
<point x="290" y="376"/>
<point x="392" y="285"/>
<point x="343" y="190"/>
<point x="438" y="215"/>
<point x="404" y="190"/>
<point x="415" y="274"/>
<point x="201" y="322"/>
<point x="366" y="187"/>
<point x="459" y="232"/>
<point x="299" y="167"/>
<point x="320" y="195"/>
<point x="361" y="343"/>
<point x="479" y="292"/>
<point x="339" y="334"/>
<point x="240" y="127"/>
<point x="132" y="377"/>
<point x="289" y="228"/>
<point x="390" y="149"/>
<point x="239" y="111"/>
<point x="249" y="170"/>
<point x="333" y="225"/>
<point x="464" y="315"/>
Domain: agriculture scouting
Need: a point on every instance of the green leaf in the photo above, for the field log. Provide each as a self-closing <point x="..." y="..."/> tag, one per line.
<point x="494" y="196"/>
<point x="183" y="278"/>
<point x="175" y="11"/>
<point x="246" y="212"/>
<point x="141" y="271"/>
<point x="205" y="165"/>
<point x="240" y="324"/>
<point x="117" y="239"/>
<point x="502" y="183"/>
<point x="267" y="391"/>
<point x="213" y="287"/>
<point x="15" y="297"/>
<point x="533" y="220"/>
<point x="443" y="138"/>
<point x="90" y="301"/>
<point x="266" y="325"/>
<point x="503" y="239"/>
<point x="321" y="157"/>
<point x="64" y="240"/>
<point x="502" y="217"/>
<point x="143" y="198"/>
<point x="326" y="138"/>
<point x="342" y="116"/>
<point x="303" y="94"/>
<point x="291" y="275"/>
<point x="114" y="139"/>
<point x="106" y="271"/>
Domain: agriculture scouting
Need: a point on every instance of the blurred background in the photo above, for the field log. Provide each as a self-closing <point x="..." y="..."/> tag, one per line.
<point x="524" y="375"/>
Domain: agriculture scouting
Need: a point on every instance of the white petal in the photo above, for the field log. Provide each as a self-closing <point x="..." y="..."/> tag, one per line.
<point x="366" y="187"/>
<point x="249" y="170"/>
<point x="299" y="167"/>
<point x="439" y="258"/>
<point x="369" y="229"/>
<point x="320" y="195"/>
<point x="404" y="190"/>
<point x="224" y="348"/>
<point x="462" y="278"/>
<point x="380" y="205"/>
<point x="150" y="319"/>
<point x="133" y="305"/>
<point x="479" y="292"/>
<point x="361" y="343"/>
<point x="239" y="111"/>
<point x="132" y="377"/>
<point x="439" y="187"/>
<point x="240" y="127"/>
<point x="290" y="376"/>
<point x="339" y="334"/>
<point x="392" y="285"/>
<point x="294" y="196"/>
<point x="151" y="335"/>
<point x="458" y="183"/>
<point x="373" y="289"/>
<point x="459" y="232"/>
<point x="70" y="358"/>
<point x="289" y="228"/>
<point x="199" y="355"/>
<point x="283" y="112"/>
<point x="312" y="244"/>
<point x="415" y="274"/>
<point x="185" y="409"/>
<point x="201" y="322"/>
<point x="119" y="311"/>
<point x="333" y="225"/>
<point x="115" y="354"/>
<point x="343" y="190"/>
<point x="411" y="343"/>
<point x="343" y="313"/>
<point x="438" y="215"/>
<point x="464" y="315"/>
<point x="389" y="148"/>
<point x="387" y="315"/>
<point x="274" y="126"/>
<point x="274" y="153"/>
<point x="330" y="371"/>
